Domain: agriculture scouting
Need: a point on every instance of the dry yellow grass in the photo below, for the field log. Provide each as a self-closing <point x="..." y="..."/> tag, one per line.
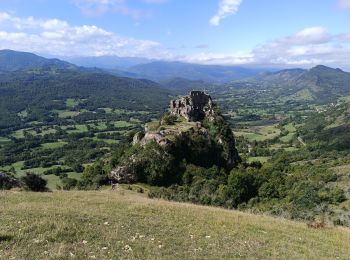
<point x="123" y="224"/>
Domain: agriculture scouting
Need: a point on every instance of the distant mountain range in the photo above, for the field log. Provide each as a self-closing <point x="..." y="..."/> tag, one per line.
<point x="107" y="62"/>
<point x="14" y="60"/>
<point x="131" y="67"/>
<point x="319" y="84"/>
<point x="163" y="70"/>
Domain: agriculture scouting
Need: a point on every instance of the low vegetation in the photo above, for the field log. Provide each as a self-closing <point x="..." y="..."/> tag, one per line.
<point x="125" y="224"/>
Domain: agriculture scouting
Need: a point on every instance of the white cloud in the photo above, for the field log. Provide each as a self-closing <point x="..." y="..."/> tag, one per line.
<point x="57" y="37"/>
<point x="226" y="8"/>
<point x="220" y="58"/>
<point x="344" y="4"/>
<point x="310" y="46"/>
<point x="54" y="37"/>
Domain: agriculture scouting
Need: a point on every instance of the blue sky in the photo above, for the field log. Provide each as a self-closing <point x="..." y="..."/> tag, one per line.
<point x="248" y="32"/>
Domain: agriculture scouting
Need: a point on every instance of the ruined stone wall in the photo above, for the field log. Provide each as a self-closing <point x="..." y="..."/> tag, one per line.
<point x="194" y="107"/>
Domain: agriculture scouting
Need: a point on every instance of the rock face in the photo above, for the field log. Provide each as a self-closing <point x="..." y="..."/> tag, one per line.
<point x="122" y="174"/>
<point x="192" y="131"/>
<point x="194" y="107"/>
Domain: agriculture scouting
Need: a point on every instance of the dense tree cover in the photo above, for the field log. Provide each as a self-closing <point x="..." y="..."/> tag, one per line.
<point x="41" y="91"/>
<point x="278" y="188"/>
<point x="78" y="108"/>
<point x="193" y="169"/>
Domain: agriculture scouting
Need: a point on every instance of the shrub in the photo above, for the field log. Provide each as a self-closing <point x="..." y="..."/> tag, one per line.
<point x="168" y="119"/>
<point x="68" y="183"/>
<point x="242" y="186"/>
<point x="8" y="181"/>
<point x="33" y="182"/>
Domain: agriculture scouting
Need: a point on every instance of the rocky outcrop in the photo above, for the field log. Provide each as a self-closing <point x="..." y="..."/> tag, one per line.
<point x="122" y="174"/>
<point x="194" y="107"/>
<point x="192" y="131"/>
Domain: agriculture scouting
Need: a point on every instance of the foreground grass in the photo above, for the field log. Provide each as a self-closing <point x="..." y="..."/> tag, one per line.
<point x="122" y="224"/>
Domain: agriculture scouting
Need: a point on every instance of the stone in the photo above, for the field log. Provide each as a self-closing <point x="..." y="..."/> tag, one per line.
<point x="194" y="107"/>
<point x="122" y="175"/>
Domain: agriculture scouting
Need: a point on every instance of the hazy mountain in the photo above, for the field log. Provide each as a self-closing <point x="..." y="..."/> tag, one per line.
<point x="319" y="84"/>
<point x="14" y="60"/>
<point x="181" y="85"/>
<point x="107" y="62"/>
<point x="162" y="70"/>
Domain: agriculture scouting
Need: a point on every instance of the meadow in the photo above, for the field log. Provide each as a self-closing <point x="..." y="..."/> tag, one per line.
<point x="124" y="224"/>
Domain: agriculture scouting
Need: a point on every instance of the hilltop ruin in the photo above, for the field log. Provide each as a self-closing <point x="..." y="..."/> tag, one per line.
<point x="194" y="107"/>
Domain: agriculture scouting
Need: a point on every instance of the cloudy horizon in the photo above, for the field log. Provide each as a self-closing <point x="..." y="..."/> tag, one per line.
<point x="222" y="32"/>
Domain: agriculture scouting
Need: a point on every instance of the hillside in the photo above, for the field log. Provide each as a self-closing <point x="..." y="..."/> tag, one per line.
<point x="14" y="60"/>
<point x="57" y="119"/>
<point x="125" y="224"/>
<point x="319" y="85"/>
<point x="45" y="88"/>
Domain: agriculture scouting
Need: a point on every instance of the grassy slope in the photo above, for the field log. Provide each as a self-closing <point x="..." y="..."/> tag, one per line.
<point x="122" y="224"/>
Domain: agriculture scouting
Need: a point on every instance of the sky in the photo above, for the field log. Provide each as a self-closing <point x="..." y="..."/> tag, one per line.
<point x="275" y="33"/>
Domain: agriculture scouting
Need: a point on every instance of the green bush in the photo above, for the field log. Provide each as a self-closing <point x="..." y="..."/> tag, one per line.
<point x="8" y="181"/>
<point x="33" y="182"/>
<point x="242" y="186"/>
<point x="168" y="119"/>
<point x="68" y="183"/>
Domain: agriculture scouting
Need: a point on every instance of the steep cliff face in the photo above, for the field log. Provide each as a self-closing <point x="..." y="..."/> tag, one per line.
<point x="193" y="131"/>
<point x="194" y="107"/>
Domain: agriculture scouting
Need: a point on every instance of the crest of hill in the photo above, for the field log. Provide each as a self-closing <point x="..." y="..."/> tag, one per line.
<point x="320" y="84"/>
<point x="192" y="132"/>
<point x="14" y="60"/>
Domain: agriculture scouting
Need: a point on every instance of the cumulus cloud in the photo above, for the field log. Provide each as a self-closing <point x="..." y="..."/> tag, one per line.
<point x="57" y="37"/>
<point x="344" y="4"/>
<point x="310" y="46"/>
<point x="226" y="8"/>
<point x="220" y="58"/>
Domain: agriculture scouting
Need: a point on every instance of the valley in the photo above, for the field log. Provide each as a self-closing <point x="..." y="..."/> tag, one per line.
<point x="73" y="125"/>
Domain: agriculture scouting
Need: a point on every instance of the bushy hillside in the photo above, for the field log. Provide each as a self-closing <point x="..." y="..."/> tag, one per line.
<point x="124" y="224"/>
<point x="320" y="84"/>
<point x="42" y="89"/>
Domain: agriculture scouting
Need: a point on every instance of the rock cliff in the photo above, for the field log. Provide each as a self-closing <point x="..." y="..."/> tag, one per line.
<point x="194" y="107"/>
<point x="193" y="131"/>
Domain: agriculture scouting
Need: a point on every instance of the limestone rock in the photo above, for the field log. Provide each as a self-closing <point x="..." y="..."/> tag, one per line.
<point x="122" y="175"/>
<point x="194" y="107"/>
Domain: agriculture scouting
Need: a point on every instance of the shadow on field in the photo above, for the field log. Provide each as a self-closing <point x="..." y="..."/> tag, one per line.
<point x="5" y="238"/>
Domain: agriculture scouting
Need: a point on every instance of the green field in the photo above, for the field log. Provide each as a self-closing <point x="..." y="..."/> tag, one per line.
<point x="4" y="140"/>
<point x="262" y="159"/>
<point x="71" y="102"/>
<point x="54" y="145"/>
<point x="66" y="114"/>
<point x="126" y="225"/>
<point x="120" y="124"/>
<point x="258" y="133"/>
<point x="78" y="129"/>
